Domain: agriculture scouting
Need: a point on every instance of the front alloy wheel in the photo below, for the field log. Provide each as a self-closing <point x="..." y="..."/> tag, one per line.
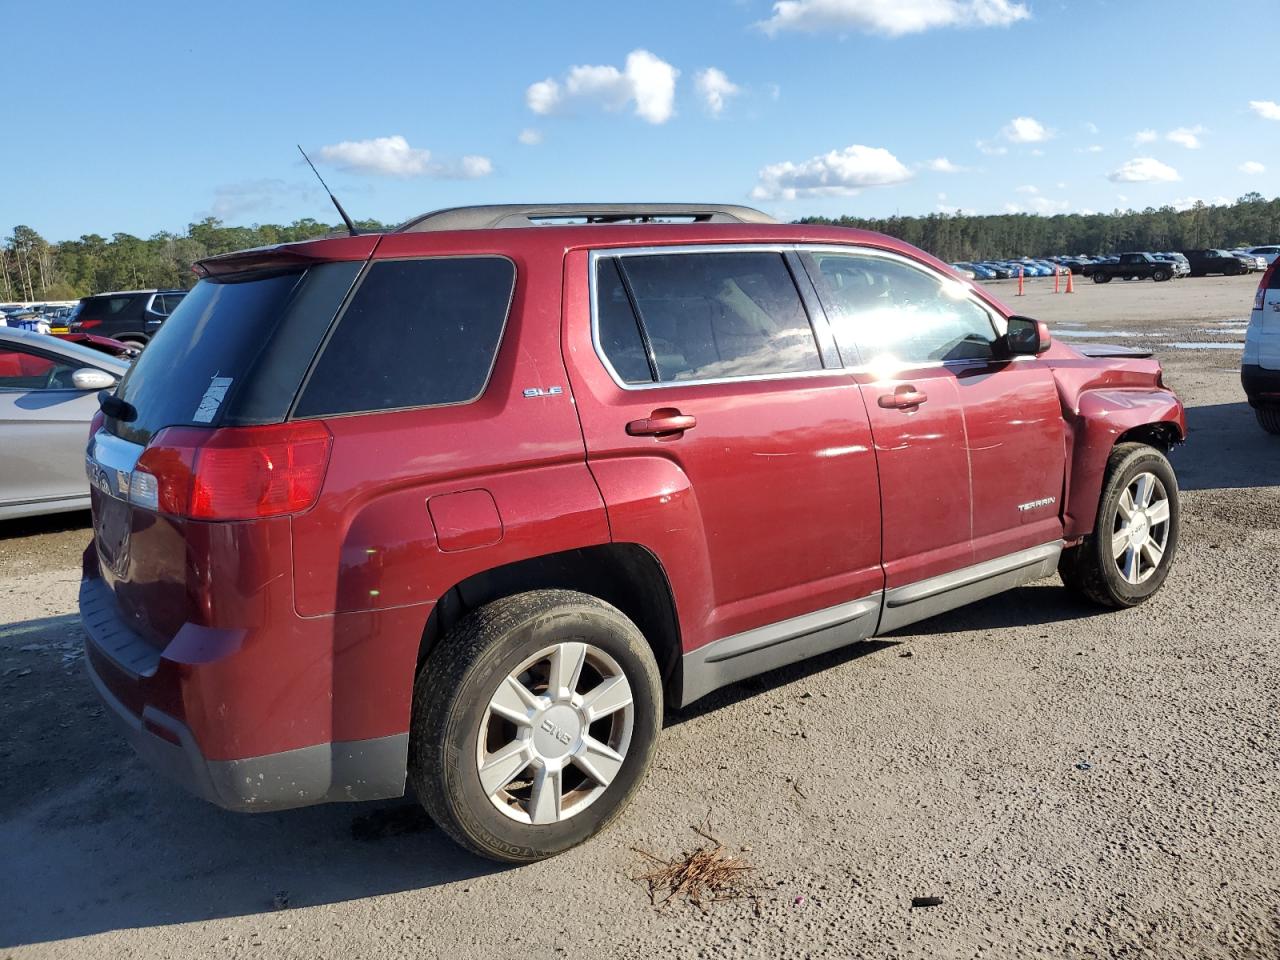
<point x="1140" y="528"/>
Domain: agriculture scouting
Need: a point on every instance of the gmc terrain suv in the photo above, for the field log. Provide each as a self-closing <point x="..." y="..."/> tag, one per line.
<point x="468" y="503"/>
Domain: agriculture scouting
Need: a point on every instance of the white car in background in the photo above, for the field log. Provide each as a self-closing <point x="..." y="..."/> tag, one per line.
<point x="1268" y="254"/>
<point x="1260" y="365"/>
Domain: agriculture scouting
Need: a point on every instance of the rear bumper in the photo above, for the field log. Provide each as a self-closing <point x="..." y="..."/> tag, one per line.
<point x="1261" y="386"/>
<point x="135" y="683"/>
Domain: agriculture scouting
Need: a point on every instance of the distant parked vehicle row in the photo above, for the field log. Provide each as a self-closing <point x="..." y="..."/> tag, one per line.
<point x="1161" y="265"/>
<point x="1132" y="266"/>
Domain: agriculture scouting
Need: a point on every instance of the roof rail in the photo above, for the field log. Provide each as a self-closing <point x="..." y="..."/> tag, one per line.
<point x="531" y="215"/>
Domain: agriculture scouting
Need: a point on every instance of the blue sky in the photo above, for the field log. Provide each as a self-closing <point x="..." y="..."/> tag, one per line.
<point x="143" y="116"/>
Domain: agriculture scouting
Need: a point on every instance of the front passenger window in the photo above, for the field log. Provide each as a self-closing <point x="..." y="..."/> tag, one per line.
<point x="29" y="371"/>
<point x="884" y="309"/>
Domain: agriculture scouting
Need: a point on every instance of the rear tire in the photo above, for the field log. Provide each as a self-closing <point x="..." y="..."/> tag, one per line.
<point x="534" y="722"/>
<point x="1159" y="276"/>
<point x="1114" y="566"/>
<point x="1268" y="418"/>
<point x="1101" y="277"/>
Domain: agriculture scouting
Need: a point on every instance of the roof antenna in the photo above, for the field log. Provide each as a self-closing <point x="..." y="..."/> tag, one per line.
<point x="351" y="227"/>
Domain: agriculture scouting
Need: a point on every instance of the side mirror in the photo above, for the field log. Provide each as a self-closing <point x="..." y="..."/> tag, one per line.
<point x="1027" y="337"/>
<point x="87" y="378"/>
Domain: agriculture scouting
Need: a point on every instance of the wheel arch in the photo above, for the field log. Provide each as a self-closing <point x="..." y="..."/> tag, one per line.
<point x="1105" y="418"/>
<point x="626" y="575"/>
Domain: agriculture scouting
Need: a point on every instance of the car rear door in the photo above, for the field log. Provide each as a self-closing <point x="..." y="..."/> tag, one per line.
<point x="44" y="425"/>
<point x="727" y="439"/>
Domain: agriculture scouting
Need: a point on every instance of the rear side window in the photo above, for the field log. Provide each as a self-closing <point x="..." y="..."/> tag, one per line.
<point x="417" y="333"/>
<point x="105" y="306"/>
<point x="711" y="316"/>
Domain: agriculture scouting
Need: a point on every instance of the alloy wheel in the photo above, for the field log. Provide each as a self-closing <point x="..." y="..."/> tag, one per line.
<point x="555" y="733"/>
<point x="1140" y="528"/>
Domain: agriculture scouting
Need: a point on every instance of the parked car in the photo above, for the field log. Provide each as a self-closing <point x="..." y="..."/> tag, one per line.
<point x="48" y="396"/>
<point x="1268" y="254"/>
<point x="1260" y="364"/>
<point x="965" y="271"/>
<point x="133" y="316"/>
<point x="1131" y="266"/>
<point x="1000" y="271"/>
<point x="1252" y="260"/>
<point x="1205" y="262"/>
<point x="1181" y="268"/>
<point x="470" y="501"/>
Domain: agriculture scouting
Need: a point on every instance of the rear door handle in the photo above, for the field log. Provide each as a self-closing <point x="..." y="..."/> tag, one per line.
<point x="903" y="398"/>
<point x="664" y="422"/>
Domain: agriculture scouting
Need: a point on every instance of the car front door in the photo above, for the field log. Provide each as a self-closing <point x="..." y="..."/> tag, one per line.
<point x="44" y="423"/>
<point x="970" y="446"/>
<point x="727" y="439"/>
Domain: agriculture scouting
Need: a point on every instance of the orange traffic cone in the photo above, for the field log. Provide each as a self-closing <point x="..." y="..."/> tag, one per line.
<point x="1069" y="287"/>
<point x="1057" y="279"/>
<point x="1021" y="271"/>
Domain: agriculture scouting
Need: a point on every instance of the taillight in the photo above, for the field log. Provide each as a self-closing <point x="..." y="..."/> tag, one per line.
<point x="233" y="473"/>
<point x="1265" y="284"/>
<point x="86" y="324"/>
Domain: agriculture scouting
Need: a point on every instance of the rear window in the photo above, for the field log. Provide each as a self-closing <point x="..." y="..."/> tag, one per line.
<point x="416" y="333"/>
<point x="233" y="351"/>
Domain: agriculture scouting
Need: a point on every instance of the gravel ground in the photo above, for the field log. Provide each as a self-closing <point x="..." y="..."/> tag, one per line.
<point x="1071" y="783"/>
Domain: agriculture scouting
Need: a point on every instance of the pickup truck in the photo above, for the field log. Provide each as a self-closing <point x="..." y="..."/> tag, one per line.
<point x="1132" y="266"/>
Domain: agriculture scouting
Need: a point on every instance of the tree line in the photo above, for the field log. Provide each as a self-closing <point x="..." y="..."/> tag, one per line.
<point x="1252" y="220"/>
<point x="32" y="268"/>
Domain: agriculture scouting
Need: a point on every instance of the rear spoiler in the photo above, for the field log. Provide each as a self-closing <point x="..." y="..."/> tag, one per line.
<point x="287" y="255"/>
<point x="1110" y="350"/>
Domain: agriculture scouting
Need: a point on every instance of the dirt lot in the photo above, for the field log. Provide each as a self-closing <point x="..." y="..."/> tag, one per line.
<point x="1071" y="783"/>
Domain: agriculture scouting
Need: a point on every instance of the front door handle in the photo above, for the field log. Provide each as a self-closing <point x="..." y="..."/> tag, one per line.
<point x="661" y="423"/>
<point x="905" y="397"/>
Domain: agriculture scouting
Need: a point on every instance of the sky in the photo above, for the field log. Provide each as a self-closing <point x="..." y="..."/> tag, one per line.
<point x="141" y="117"/>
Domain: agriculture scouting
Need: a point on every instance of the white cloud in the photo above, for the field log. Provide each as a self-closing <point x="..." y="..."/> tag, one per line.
<point x="1252" y="167"/>
<point x="1188" y="137"/>
<point x="839" y="173"/>
<point x="991" y="149"/>
<point x="1186" y="203"/>
<point x="775" y="92"/>
<point x="1025" y="130"/>
<point x="646" y="80"/>
<point x="892" y="17"/>
<point x="1092" y="127"/>
<point x="1143" y="170"/>
<point x="1035" y="203"/>
<point x="543" y="96"/>
<point x="1092" y="148"/>
<point x="393" y="157"/>
<point x="943" y="165"/>
<point x="1027" y="189"/>
<point x="715" y="88"/>
<point x="1145" y="136"/>
<point x="1266" y="109"/>
<point x="529" y="137"/>
<point x="389" y="156"/>
<point x="230" y="200"/>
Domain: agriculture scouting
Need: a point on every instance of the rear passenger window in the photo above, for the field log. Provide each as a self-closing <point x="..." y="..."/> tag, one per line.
<point x="618" y="327"/>
<point x="884" y="309"/>
<point x="417" y="333"/>
<point x="717" y="315"/>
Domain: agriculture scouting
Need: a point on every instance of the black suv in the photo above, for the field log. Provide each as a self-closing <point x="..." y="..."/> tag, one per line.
<point x="1205" y="262"/>
<point x="129" y="315"/>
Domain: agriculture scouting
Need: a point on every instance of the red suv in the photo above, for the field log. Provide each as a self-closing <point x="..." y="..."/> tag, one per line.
<point x="465" y="504"/>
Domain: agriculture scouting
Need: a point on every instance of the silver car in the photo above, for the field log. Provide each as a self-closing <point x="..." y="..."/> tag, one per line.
<point x="48" y="394"/>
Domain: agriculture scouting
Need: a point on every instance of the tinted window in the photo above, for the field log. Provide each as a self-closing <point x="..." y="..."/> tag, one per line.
<point x="28" y="371"/>
<point x="618" y="328"/>
<point x="417" y="333"/>
<point x="105" y="306"/>
<point x="713" y="315"/>
<point x="201" y="353"/>
<point x="885" y="309"/>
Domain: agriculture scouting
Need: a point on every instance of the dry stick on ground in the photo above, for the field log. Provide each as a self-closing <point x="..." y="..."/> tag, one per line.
<point x="706" y="875"/>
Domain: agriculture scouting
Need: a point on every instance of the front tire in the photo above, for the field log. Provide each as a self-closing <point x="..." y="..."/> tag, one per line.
<point x="1127" y="557"/>
<point x="1101" y="277"/>
<point x="1268" y="418"/>
<point x="1159" y="276"/>
<point x="534" y="722"/>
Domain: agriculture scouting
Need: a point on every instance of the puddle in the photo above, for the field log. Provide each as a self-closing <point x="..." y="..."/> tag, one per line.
<point x="1068" y="334"/>
<point x="1190" y="345"/>
<point x="1224" y="330"/>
